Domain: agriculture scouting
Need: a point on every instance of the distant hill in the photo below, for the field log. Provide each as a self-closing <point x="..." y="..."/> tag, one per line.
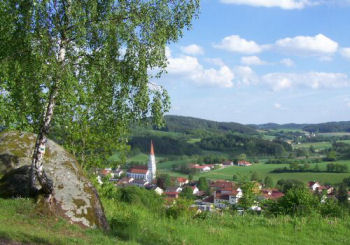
<point x="190" y="124"/>
<point x="328" y="127"/>
<point x="277" y="126"/>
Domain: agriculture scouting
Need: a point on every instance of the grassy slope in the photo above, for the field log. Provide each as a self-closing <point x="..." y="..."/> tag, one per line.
<point x="146" y="227"/>
<point x="20" y="222"/>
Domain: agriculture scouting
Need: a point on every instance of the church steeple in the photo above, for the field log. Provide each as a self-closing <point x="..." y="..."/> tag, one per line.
<point x="152" y="164"/>
<point x="152" y="150"/>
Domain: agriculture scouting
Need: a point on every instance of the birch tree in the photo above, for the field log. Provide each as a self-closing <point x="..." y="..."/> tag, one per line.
<point x="84" y="63"/>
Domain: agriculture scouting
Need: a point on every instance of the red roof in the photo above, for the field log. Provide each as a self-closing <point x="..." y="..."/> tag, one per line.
<point x="272" y="194"/>
<point x="138" y="170"/>
<point x="244" y="163"/>
<point x="222" y="184"/>
<point x="222" y="196"/>
<point x="105" y="172"/>
<point x="181" y="179"/>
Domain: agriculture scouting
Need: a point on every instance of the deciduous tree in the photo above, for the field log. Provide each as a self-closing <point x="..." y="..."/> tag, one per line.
<point x="90" y="62"/>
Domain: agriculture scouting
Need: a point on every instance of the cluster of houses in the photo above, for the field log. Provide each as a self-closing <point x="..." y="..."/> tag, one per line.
<point x="202" y="168"/>
<point x="221" y="194"/>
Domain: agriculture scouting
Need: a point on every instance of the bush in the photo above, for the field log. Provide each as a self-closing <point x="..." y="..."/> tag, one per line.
<point x="331" y="208"/>
<point x="298" y="202"/>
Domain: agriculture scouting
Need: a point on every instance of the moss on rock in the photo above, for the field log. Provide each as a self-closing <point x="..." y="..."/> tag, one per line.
<point x="75" y="197"/>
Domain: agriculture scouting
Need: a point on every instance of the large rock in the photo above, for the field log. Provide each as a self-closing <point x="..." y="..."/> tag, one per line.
<point x="75" y="198"/>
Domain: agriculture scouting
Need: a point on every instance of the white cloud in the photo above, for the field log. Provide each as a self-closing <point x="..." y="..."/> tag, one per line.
<point x="184" y="64"/>
<point x="245" y="75"/>
<point x="283" y="4"/>
<point x="345" y="52"/>
<point x="192" y="49"/>
<point x="314" y="80"/>
<point x="237" y="44"/>
<point x="252" y="60"/>
<point x="318" y="45"/>
<point x="215" y="61"/>
<point x="287" y="62"/>
<point x="277" y="105"/>
<point x="189" y="68"/>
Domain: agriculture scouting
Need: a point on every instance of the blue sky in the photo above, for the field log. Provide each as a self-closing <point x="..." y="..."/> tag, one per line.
<point x="258" y="61"/>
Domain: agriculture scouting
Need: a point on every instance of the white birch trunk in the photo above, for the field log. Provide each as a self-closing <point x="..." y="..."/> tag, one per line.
<point x="37" y="169"/>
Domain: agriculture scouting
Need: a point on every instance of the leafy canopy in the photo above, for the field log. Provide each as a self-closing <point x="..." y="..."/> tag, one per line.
<point x="112" y="52"/>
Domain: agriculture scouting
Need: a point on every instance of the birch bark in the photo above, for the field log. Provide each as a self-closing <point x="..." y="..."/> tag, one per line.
<point x="37" y="168"/>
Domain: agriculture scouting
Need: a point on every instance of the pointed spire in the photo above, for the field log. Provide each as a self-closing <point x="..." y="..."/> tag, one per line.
<point x="152" y="150"/>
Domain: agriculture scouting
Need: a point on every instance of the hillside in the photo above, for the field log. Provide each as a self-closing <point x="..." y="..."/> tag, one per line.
<point x="190" y="125"/>
<point x="327" y="127"/>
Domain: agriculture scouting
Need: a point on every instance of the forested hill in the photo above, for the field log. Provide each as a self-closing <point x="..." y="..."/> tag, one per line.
<point x="191" y="125"/>
<point x="327" y="127"/>
<point x="277" y="126"/>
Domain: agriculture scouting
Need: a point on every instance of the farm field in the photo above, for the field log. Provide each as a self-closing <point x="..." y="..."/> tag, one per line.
<point x="264" y="170"/>
<point x="317" y="145"/>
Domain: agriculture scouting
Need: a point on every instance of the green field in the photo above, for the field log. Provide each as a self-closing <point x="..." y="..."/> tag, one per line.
<point x="335" y="134"/>
<point x="317" y="145"/>
<point x="264" y="170"/>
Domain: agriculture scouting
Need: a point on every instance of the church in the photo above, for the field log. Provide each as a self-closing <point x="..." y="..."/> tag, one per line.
<point x="146" y="173"/>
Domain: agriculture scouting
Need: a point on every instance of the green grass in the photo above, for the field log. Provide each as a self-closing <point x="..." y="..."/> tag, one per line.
<point x="133" y="224"/>
<point x="317" y="145"/>
<point x="193" y="140"/>
<point x="335" y="134"/>
<point x="265" y="170"/>
<point x="19" y="221"/>
<point x="145" y="227"/>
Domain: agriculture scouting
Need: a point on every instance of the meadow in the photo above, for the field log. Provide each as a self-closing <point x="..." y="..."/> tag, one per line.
<point x="264" y="170"/>
<point x="132" y="224"/>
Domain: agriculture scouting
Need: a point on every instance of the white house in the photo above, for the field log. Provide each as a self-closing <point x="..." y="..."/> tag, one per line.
<point x="314" y="185"/>
<point x="195" y="190"/>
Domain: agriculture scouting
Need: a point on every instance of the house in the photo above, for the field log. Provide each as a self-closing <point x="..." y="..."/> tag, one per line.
<point x="200" y="194"/>
<point x="139" y="172"/>
<point x="99" y="179"/>
<point x="117" y="173"/>
<point x="171" y="194"/>
<point x="105" y="172"/>
<point x="227" y="163"/>
<point x="140" y="182"/>
<point x="181" y="181"/>
<point x="194" y="189"/>
<point x="204" y="206"/>
<point x="174" y="189"/>
<point x="326" y="188"/>
<point x="125" y="181"/>
<point x="202" y="168"/>
<point x="158" y="190"/>
<point x="244" y="163"/>
<point x="221" y="184"/>
<point x="227" y="196"/>
<point x="271" y="194"/>
<point x="314" y="186"/>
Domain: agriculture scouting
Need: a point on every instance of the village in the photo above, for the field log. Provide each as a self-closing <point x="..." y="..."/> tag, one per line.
<point x="218" y="194"/>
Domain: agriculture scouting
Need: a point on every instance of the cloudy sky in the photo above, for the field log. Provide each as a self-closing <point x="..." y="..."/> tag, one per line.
<point x="258" y="61"/>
